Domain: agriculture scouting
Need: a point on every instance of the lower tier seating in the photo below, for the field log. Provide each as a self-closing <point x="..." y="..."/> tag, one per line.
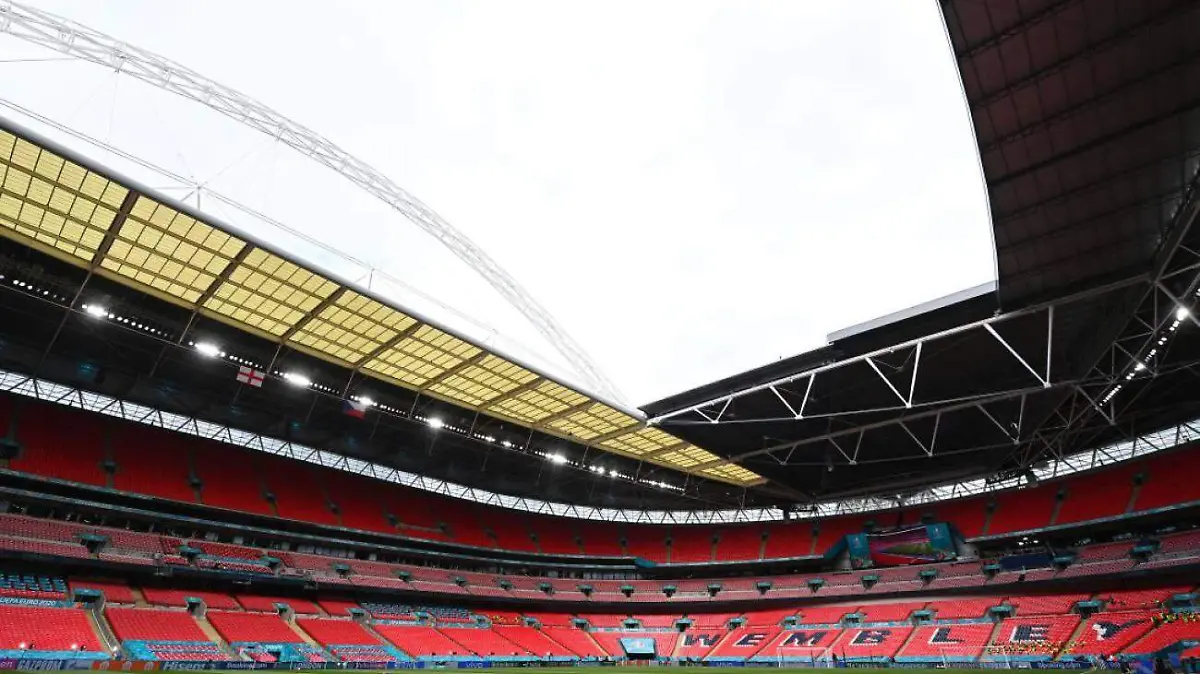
<point x="38" y="628"/>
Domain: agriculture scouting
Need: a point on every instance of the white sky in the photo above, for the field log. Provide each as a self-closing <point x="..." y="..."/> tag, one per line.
<point x="691" y="188"/>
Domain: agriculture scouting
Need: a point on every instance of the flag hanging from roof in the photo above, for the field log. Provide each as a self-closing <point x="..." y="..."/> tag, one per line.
<point x="250" y="376"/>
<point x="354" y="409"/>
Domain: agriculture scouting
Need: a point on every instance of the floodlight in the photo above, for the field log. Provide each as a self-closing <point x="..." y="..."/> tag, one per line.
<point x="297" y="379"/>
<point x="1181" y="313"/>
<point x="208" y="349"/>
<point x="95" y="310"/>
<point x="557" y="458"/>
<point x="435" y="423"/>
<point x="366" y="401"/>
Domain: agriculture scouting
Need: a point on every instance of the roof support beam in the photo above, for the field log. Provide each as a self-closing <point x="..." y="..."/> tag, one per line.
<point x="114" y="230"/>
<point x="564" y="413"/>
<point x="456" y="369"/>
<point x="527" y="386"/>
<point x="316" y="311"/>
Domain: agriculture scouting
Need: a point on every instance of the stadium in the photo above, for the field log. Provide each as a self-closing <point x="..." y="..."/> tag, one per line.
<point x="215" y="454"/>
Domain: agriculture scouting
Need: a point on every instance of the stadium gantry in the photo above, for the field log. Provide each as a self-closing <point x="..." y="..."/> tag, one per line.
<point x="213" y="452"/>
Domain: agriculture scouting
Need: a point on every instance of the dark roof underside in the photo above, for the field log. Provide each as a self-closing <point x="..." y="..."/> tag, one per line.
<point x="1086" y="117"/>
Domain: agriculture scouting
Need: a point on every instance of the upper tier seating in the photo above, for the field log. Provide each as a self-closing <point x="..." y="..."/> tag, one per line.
<point x="1023" y="509"/>
<point x="740" y="543"/>
<point x="152" y="461"/>
<point x="1128" y="600"/>
<point x="691" y="544"/>
<point x="173" y="597"/>
<point x="1171" y="478"/>
<point x="788" y="539"/>
<point x="46" y="629"/>
<point x="146" y="624"/>
<point x="69" y="444"/>
<point x="238" y="627"/>
<point x="114" y="592"/>
<point x="225" y="487"/>
<point x="647" y="543"/>
<point x="556" y="535"/>
<point x="952" y="609"/>
<point x="267" y="604"/>
<point x="890" y="612"/>
<point x="769" y="617"/>
<point x="825" y="615"/>
<point x="298" y="495"/>
<point x="359" y="500"/>
<point x="338" y="607"/>
<point x="1099" y="494"/>
<point x="1046" y="604"/>
<point x="947" y="641"/>
<point x="61" y="443"/>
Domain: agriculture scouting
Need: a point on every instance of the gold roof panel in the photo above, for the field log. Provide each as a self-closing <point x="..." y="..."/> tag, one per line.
<point x="92" y="219"/>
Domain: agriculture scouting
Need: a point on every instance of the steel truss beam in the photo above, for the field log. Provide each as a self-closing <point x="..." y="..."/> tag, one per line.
<point x="81" y="42"/>
<point x="1040" y="371"/>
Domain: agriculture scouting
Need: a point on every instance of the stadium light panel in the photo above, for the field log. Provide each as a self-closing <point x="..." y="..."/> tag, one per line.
<point x="1181" y="313"/>
<point x="435" y="423"/>
<point x="297" y="379"/>
<point x="557" y="458"/>
<point x="95" y="310"/>
<point x="366" y="401"/>
<point x="208" y="349"/>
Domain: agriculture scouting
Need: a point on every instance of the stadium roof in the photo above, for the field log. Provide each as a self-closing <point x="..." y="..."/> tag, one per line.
<point x="77" y="211"/>
<point x="1088" y="123"/>
<point x="1085" y="112"/>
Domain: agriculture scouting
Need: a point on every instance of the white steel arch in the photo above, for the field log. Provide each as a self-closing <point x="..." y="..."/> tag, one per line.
<point x="78" y="41"/>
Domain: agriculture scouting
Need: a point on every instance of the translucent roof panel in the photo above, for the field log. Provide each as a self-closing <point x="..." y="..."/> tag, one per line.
<point x="91" y="219"/>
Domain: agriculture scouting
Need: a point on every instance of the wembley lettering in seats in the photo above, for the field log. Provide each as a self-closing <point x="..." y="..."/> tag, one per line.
<point x="1029" y="633"/>
<point x="690" y="639"/>
<point x="751" y="639"/>
<point x="802" y="638"/>
<point x="942" y="636"/>
<point x="1106" y="630"/>
<point x="871" y="637"/>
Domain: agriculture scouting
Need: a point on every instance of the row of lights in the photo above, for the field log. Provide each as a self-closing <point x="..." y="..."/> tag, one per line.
<point x="34" y="290"/>
<point x="559" y="459"/>
<point x="300" y="380"/>
<point x="1181" y="315"/>
<point x="98" y="311"/>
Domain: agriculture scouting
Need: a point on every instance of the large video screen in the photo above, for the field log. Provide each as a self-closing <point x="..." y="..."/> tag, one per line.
<point x="912" y="545"/>
<point x="638" y="646"/>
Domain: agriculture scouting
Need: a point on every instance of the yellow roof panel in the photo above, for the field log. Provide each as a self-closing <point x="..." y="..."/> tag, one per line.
<point x="54" y="204"/>
<point x="269" y="293"/>
<point x="89" y="219"/>
<point x="169" y="251"/>
<point x="352" y="327"/>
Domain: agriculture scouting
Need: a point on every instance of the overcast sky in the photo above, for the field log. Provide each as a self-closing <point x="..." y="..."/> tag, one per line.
<point x="691" y="188"/>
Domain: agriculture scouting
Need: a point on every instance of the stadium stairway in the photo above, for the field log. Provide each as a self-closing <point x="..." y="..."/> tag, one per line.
<point x="103" y="632"/>
<point x="215" y="637"/>
<point x="1075" y="634"/>
<point x="304" y="636"/>
<point x="992" y="637"/>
